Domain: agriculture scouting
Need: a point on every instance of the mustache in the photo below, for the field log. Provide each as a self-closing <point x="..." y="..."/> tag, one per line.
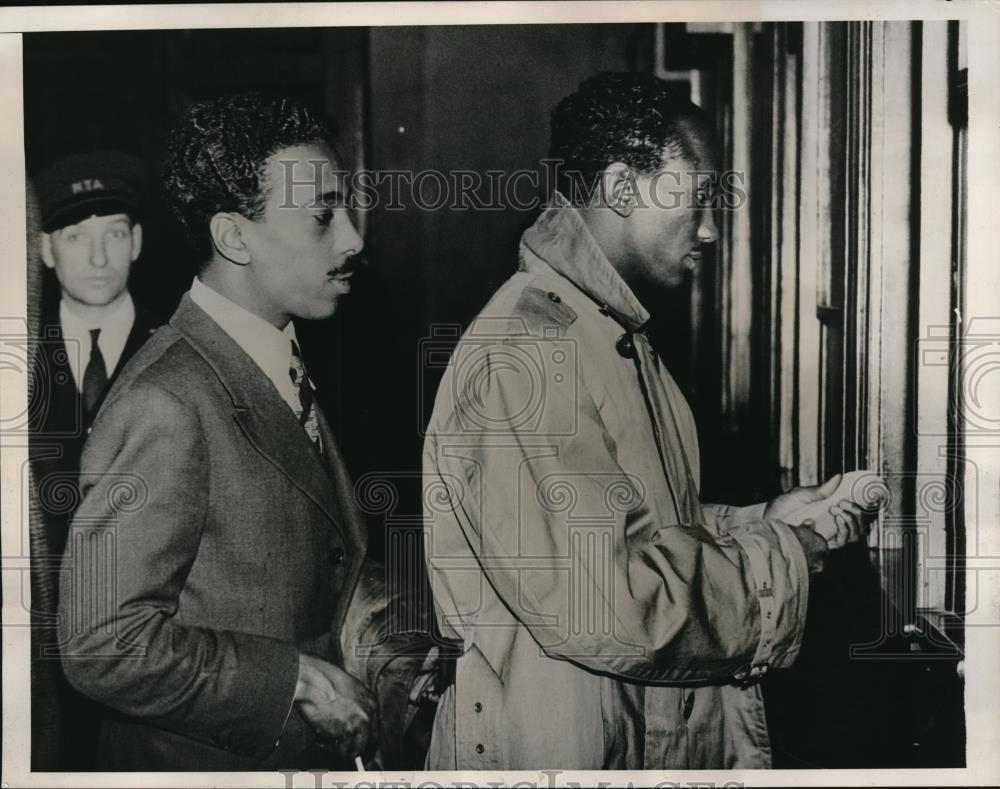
<point x="349" y="266"/>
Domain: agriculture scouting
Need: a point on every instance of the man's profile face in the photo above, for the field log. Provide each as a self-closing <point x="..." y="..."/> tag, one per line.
<point x="673" y="222"/>
<point x="300" y="248"/>
<point x="92" y="258"/>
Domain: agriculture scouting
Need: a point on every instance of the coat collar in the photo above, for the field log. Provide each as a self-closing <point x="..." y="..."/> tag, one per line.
<point x="561" y="238"/>
<point x="261" y="413"/>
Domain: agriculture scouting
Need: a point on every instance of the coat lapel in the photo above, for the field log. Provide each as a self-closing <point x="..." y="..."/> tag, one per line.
<point x="258" y="409"/>
<point x="351" y="523"/>
<point x="142" y="328"/>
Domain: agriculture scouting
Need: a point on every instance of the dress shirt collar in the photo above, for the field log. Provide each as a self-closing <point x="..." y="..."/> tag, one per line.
<point x="269" y="347"/>
<point x="115" y="328"/>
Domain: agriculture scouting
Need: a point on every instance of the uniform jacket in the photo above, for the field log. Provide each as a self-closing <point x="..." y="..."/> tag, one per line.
<point x="58" y="424"/>
<point x="608" y="619"/>
<point x="212" y="544"/>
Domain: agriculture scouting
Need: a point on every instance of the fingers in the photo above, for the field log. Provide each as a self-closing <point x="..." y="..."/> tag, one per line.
<point x="354" y="745"/>
<point x="312" y="683"/>
<point x="340" y="724"/>
<point x="843" y="533"/>
<point x="828" y="488"/>
<point x="851" y="523"/>
<point x="340" y="708"/>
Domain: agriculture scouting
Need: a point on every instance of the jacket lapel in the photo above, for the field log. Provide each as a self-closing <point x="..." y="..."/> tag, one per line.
<point x="352" y="526"/>
<point x="258" y="409"/>
<point x="142" y="328"/>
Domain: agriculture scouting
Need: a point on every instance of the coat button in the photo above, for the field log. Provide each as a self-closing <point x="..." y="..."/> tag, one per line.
<point x="480" y="748"/>
<point x="625" y="346"/>
<point x="554" y="297"/>
<point x="337" y="555"/>
<point x="478" y="707"/>
<point x="688" y="706"/>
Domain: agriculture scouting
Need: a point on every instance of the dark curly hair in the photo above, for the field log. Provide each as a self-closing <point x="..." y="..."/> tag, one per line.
<point x="622" y="117"/>
<point x="217" y="153"/>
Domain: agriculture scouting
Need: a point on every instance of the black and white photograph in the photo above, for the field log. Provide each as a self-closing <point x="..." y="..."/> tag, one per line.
<point x="463" y="394"/>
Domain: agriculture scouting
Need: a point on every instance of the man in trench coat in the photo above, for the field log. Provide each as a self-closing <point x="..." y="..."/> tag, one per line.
<point x="607" y="618"/>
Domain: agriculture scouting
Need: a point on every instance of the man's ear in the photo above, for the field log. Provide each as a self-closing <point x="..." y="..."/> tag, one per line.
<point x="618" y="188"/>
<point x="136" y="241"/>
<point x="47" y="258"/>
<point x="227" y="237"/>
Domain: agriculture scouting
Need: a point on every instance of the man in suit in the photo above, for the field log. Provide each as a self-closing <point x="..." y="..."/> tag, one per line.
<point x="91" y="235"/>
<point x="217" y="546"/>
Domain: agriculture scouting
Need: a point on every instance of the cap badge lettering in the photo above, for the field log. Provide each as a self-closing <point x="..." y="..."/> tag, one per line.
<point x="86" y="185"/>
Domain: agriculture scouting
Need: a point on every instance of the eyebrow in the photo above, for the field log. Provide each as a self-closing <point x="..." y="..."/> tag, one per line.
<point x="333" y="197"/>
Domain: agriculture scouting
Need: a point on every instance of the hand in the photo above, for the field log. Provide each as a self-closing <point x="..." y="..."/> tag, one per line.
<point x="839" y="523"/>
<point x="784" y="505"/>
<point x="341" y="709"/>
<point x="814" y="546"/>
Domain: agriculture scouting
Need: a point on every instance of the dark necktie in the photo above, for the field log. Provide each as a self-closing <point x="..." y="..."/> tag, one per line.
<point x="95" y="377"/>
<point x="306" y="412"/>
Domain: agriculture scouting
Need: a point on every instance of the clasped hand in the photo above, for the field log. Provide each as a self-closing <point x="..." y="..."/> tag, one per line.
<point x="840" y="522"/>
<point x="343" y="711"/>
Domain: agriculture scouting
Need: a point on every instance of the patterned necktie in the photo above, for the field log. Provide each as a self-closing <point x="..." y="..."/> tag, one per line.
<point x="306" y="412"/>
<point x="95" y="377"/>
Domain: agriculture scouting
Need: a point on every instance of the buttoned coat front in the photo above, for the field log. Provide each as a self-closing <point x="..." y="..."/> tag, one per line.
<point x="213" y="543"/>
<point x="606" y="618"/>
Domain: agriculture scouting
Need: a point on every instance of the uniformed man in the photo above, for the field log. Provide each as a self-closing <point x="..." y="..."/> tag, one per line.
<point x="91" y="236"/>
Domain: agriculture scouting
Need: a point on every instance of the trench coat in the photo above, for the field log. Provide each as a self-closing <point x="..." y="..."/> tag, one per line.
<point x="606" y="618"/>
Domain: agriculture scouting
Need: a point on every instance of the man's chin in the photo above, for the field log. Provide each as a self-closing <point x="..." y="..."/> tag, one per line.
<point x="321" y="312"/>
<point x="675" y="279"/>
<point x="99" y="297"/>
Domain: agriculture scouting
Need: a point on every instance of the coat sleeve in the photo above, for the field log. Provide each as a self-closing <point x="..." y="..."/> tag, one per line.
<point x="566" y="538"/>
<point x="721" y="518"/>
<point x="133" y="541"/>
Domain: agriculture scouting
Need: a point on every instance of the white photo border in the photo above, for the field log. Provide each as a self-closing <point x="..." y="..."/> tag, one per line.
<point x="982" y="643"/>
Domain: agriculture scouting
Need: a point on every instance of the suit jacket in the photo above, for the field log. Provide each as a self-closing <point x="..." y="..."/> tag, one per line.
<point x="59" y="425"/>
<point x="213" y="543"/>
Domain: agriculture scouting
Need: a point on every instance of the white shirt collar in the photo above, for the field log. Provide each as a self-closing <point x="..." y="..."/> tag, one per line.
<point x="270" y="348"/>
<point x="115" y="328"/>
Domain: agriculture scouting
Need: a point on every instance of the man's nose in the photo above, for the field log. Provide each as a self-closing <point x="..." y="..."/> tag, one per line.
<point x="708" y="232"/>
<point x="98" y="255"/>
<point x="355" y="242"/>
